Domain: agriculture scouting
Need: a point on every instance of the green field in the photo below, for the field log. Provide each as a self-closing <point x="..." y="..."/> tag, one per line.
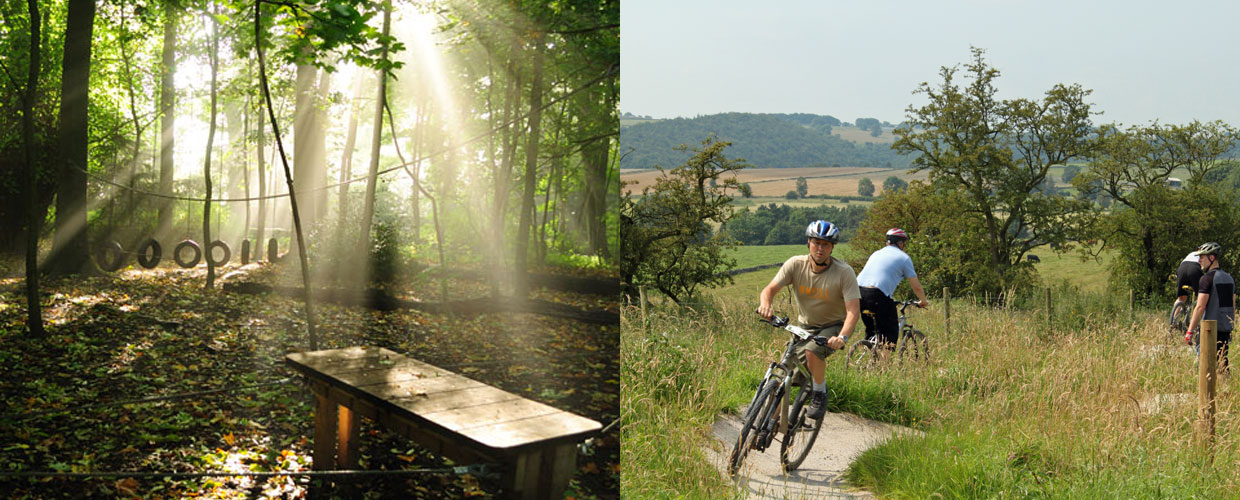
<point x="742" y="202"/>
<point x="1097" y="402"/>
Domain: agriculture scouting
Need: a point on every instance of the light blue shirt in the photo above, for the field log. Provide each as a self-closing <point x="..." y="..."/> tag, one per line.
<point x="885" y="269"/>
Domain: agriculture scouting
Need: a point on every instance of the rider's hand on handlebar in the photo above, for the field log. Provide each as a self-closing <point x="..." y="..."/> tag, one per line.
<point x="765" y="311"/>
<point x="836" y="342"/>
<point x="922" y="304"/>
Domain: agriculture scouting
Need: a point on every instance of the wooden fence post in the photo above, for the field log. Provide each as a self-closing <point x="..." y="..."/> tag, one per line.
<point x="947" y="311"/>
<point x="642" y="298"/>
<point x="1207" y="376"/>
<point x="1132" y="305"/>
<point x="1048" y="305"/>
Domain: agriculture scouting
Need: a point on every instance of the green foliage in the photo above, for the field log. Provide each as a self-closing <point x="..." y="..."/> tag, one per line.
<point x="666" y="239"/>
<point x="865" y="187"/>
<point x="746" y="191"/>
<point x="792" y="195"/>
<point x="1070" y="172"/>
<point x="802" y="187"/>
<point x="785" y="225"/>
<point x="997" y="153"/>
<point x="946" y="240"/>
<point x="389" y="256"/>
<point x="1153" y="225"/>
<point x="763" y="140"/>
<point x="893" y="184"/>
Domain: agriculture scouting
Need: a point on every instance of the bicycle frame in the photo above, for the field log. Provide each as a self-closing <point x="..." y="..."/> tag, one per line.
<point x="789" y="364"/>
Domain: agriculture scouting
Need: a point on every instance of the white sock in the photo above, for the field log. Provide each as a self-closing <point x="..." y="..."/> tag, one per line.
<point x="820" y="387"/>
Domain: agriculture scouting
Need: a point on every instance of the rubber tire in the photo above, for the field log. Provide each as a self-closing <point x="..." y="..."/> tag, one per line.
<point x="1177" y="321"/>
<point x="273" y="250"/>
<point x="861" y="355"/>
<point x="753" y="418"/>
<point x="176" y="253"/>
<point x="210" y="251"/>
<point x="796" y="417"/>
<point x="245" y="252"/>
<point x="157" y="253"/>
<point x="101" y="256"/>
<point x="915" y="346"/>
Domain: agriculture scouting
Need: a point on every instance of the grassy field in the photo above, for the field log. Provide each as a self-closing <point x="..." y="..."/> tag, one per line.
<point x="800" y="202"/>
<point x="859" y="136"/>
<point x="776" y="182"/>
<point x="1095" y="403"/>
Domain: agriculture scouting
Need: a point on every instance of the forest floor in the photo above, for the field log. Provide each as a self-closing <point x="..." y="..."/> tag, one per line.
<point x="68" y="400"/>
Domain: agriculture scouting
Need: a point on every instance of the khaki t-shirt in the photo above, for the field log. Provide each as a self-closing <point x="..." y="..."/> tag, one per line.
<point x="820" y="296"/>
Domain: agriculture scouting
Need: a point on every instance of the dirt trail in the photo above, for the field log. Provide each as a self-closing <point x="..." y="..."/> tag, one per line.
<point x="842" y="439"/>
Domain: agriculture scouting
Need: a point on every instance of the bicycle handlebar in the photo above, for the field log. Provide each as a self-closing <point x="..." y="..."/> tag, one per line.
<point x="782" y="323"/>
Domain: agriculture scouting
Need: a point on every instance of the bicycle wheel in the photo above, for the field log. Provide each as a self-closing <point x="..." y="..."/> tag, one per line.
<point x="914" y="346"/>
<point x="1178" y="322"/>
<point x="802" y="432"/>
<point x="861" y="355"/>
<point x="755" y="416"/>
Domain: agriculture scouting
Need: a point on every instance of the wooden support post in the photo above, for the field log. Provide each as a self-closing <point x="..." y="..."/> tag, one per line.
<point x="324" y="433"/>
<point x="947" y="311"/>
<point x="1132" y="305"/>
<point x="1048" y="306"/>
<point x="558" y="465"/>
<point x="642" y="297"/>
<point x="346" y="438"/>
<point x="1206" y="379"/>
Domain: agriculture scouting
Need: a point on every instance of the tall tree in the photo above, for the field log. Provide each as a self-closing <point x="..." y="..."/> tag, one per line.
<point x="206" y="162"/>
<point x="70" y="247"/>
<point x="665" y="236"/>
<point x="34" y="311"/>
<point x="167" y="126"/>
<point x="372" y="177"/>
<point x="533" y="136"/>
<point x="999" y="152"/>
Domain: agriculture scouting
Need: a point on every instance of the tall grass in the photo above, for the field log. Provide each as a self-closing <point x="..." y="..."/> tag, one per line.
<point x="1096" y="403"/>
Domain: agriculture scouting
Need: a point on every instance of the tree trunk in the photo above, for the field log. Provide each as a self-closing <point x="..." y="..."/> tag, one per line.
<point x="70" y="252"/>
<point x="346" y="173"/>
<point x="206" y="163"/>
<point x="261" y="174"/>
<point x="34" y="311"/>
<point x="133" y="238"/>
<point x="372" y="177"/>
<point x="520" y="263"/>
<point x="167" y="133"/>
<point x="288" y="177"/>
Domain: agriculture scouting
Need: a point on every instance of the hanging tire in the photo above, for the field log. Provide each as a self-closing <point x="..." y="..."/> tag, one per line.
<point x="176" y="253"/>
<point x="802" y="431"/>
<point x="109" y="256"/>
<point x="273" y="250"/>
<point x="245" y="252"/>
<point x="211" y="253"/>
<point x="156" y="250"/>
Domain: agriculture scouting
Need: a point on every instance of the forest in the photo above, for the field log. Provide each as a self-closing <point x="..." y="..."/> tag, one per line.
<point x="191" y="190"/>
<point x="763" y="140"/>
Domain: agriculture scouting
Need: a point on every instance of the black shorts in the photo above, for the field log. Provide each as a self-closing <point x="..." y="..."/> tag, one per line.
<point x="1188" y="274"/>
<point x="885" y="320"/>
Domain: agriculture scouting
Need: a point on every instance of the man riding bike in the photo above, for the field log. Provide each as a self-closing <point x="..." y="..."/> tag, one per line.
<point x="878" y="281"/>
<point x="1215" y="300"/>
<point x="828" y="299"/>
<point x="1187" y="274"/>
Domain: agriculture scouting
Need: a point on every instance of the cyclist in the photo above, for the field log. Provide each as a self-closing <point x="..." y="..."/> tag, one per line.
<point x="878" y="281"/>
<point x="827" y="296"/>
<point x="1188" y="274"/>
<point x="1215" y="299"/>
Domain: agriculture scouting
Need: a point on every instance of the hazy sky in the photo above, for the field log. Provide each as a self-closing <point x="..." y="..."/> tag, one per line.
<point x="1144" y="60"/>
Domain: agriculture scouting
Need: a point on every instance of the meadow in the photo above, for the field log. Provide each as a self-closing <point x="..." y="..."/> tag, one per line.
<point x="1097" y="402"/>
<point x="776" y="182"/>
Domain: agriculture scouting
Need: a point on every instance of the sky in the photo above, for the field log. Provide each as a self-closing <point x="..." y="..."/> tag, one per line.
<point x="1174" y="62"/>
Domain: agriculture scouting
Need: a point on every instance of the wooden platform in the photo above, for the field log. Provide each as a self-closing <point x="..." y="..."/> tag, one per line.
<point x="447" y="413"/>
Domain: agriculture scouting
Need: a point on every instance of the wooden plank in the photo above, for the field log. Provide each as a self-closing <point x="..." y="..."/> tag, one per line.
<point x="375" y="363"/>
<point x="435" y="401"/>
<point x="461" y="419"/>
<point x="513" y="434"/>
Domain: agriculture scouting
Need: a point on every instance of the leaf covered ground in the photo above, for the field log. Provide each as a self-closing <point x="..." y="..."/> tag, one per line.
<point x="69" y="400"/>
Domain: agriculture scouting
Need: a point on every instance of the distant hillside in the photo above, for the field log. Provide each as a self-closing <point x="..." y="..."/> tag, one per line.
<point x="764" y="140"/>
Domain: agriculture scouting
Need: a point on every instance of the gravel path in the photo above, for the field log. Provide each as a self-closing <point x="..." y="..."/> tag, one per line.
<point x="842" y="439"/>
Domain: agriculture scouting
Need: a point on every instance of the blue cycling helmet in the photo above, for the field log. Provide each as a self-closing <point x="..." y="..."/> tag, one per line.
<point x="823" y="230"/>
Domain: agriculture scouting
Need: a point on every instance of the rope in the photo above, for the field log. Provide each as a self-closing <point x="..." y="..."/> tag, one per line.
<point x="476" y="470"/>
<point x="609" y="72"/>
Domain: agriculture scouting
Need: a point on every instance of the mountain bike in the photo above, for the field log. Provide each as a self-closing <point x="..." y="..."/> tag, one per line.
<point x="911" y="343"/>
<point x="768" y="412"/>
<point x="1181" y="313"/>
